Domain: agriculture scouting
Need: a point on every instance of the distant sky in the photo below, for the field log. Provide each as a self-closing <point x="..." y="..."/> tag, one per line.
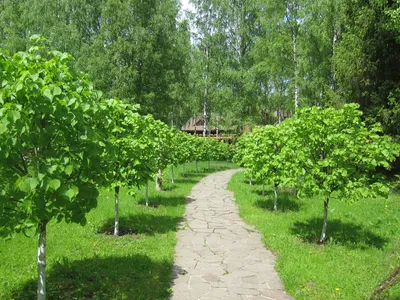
<point x="186" y="5"/>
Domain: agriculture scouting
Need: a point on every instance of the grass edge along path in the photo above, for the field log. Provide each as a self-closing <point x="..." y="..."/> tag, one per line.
<point x="86" y="262"/>
<point x="363" y="241"/>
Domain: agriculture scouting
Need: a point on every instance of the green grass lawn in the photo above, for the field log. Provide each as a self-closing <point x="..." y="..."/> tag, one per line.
<point x="363" y="241"/>
<point x="87" y="263"/>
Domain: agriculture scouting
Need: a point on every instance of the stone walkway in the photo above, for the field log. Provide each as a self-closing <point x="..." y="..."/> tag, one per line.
<point x="218" y="256"/>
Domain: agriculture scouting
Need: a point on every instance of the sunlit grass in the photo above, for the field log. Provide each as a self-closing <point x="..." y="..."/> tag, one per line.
<point x="363" y="241"/>
<point x="86" y="263"/>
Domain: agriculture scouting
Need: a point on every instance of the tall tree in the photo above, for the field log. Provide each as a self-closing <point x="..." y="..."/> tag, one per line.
<point x="367" y="60"/>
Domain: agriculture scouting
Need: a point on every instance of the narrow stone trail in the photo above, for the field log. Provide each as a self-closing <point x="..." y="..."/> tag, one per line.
<point x="218" y="256"/>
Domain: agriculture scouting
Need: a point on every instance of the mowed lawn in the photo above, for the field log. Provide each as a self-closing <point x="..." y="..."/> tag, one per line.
<point x="89" y="263"/>
<point x="363" y="241"/>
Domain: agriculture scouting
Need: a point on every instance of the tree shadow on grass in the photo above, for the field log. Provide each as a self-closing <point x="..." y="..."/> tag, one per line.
<point x="186" y="180"/>
<point x="141" y="224"/>
<point x="344" y="233"/>
<point x="286" y="202"/>
<point x="164" y="200"/>
<point x="131" y="277"/>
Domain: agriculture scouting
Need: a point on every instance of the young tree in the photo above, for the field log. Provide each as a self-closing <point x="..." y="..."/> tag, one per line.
<point x="53" y="141"/>
<point x="269" y="163"/>
<point x="337" y="154"/>
<point x="132" y="147"/>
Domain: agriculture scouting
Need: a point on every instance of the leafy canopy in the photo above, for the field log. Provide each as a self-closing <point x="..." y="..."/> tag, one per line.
<point x="53" y="138"/>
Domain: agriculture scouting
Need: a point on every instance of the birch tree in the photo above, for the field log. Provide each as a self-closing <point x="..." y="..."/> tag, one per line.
<point x="53" y="140"/>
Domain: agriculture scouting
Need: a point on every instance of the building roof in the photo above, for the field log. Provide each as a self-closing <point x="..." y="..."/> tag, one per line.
<point x="193" y="124"/>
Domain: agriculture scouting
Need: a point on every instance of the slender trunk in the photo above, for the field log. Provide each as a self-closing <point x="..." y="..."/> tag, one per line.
<point x="251" y="181"/>
<point x="296" y="71"/>
<point x="147" y="193"/>
<point x="280" y="106"/>
<point x="116" y="224"/>
<point x="41" y="262"/>
<point x="183" y="169"/>
<point x="205" y="95"/>
<point x="159" y="180"/>
<point x="197" y="169"/>
<point x="323" y="235"/>
<point x="173" y="178"/>
<point x="205" y="112"/>
<point x="275" y="197"/>
<point x="263" y="188"/>
<point x="336" y="34"/>
<point x="209" y="167"/>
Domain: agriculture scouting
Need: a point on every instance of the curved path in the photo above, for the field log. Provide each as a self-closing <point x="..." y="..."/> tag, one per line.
<point x="218" y="256"/>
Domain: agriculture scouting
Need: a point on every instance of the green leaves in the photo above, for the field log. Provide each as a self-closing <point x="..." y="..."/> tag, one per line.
<point x="68" y="169"/>
<point x="53" y="139"/>
<point x="330" y="150"/>
<point x="28" y="185"/>
<point x="54" y="184"/>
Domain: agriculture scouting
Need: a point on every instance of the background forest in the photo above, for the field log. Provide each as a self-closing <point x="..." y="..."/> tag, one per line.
<point x="240" y="63"/>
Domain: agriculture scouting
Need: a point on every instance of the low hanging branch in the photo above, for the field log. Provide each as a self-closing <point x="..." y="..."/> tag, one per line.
<point x="390" y="281"/>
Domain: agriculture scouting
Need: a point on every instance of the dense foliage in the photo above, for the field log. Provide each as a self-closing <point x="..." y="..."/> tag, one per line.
<point x="328" y="152"/>
<point x="60" y="142"/>
<point x="130" y="49"/>
<point x="234" y="62"/>
<point x="254" y="62"/>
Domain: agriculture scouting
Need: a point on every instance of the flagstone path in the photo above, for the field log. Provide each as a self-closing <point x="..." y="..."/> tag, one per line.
<point x="218" y="256"/>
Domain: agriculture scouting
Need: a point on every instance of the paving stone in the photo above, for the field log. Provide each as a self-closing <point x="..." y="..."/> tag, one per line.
<point x="218" y="256"/>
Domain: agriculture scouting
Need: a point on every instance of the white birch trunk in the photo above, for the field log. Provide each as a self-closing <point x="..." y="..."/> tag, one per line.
<point x="280" y="106"/>
<point x="323" y="235"/>
<point x="275" y="197"/>
<point x="159" y="180"/>
<point x="296" y="72"/>
<point x="173" y="178"/>
<point x="41" y="262"/>
<point x="116" y="223"/>
<point x="205" y="112"/>
<point x="251" y="181"/>
<point x="335" y="37"/>
<point x="147" y="193"/>
<point x="205" y="95"/>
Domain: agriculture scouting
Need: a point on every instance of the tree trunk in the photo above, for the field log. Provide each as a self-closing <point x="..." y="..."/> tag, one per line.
<point x="41" y="262"/>
<point x="197" y="169"/>
<point x="147" y="193"/>
<point x="251" y="181"/>
<point x="116" y="224"/>
<point x="209" y="167"/>
<point x="296" y="75"/>
<point x="159" y="180"/>
<point x="336" y="34"/>
<point x="205" y="94"/>
<point x="183" y="169"/>
<point x="173" y="178"/>
<point x="280" y="105"/>
<point x="323" y="235"/>
<point x="275" y="197"/>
